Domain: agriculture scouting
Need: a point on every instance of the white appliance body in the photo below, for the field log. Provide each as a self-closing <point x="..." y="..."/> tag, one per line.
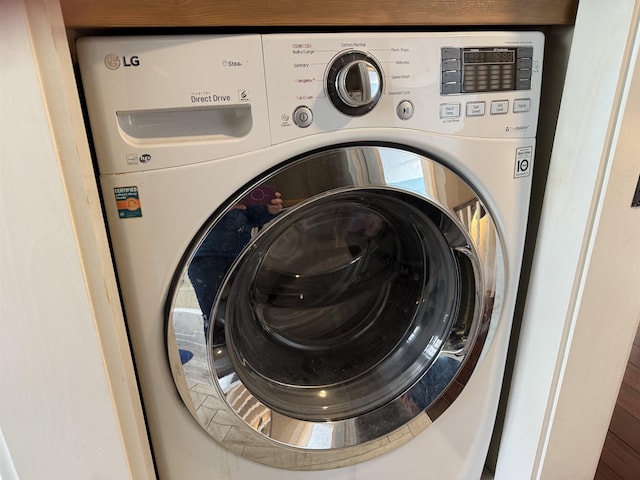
<point x="184" y="125"/>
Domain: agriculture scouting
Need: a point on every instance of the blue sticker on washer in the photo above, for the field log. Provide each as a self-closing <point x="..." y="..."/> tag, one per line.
<point x="128" y="202"/>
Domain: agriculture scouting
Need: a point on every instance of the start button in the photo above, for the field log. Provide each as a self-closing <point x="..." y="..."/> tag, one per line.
<point x="404" y="110"/>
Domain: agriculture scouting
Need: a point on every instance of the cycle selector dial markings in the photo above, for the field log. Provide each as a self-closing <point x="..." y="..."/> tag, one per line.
<point x="354" y="83"/>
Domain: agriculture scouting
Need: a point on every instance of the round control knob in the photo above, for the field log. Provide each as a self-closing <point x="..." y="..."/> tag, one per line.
<point x="358" y="83"/>
<point x="354" y="83"/>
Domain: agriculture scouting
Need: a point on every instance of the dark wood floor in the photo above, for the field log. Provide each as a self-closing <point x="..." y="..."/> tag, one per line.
<point x="620" y="457"/>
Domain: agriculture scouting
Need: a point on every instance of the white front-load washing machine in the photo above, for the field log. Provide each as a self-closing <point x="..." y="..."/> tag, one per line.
<point x="318" y="239"/>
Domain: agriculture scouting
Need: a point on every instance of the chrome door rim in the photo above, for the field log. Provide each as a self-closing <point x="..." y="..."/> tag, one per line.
<point x="335" y="441"/>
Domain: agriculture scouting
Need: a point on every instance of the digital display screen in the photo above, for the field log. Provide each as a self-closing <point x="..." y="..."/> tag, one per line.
<point x="485" y="69"/>
<point x="489" y="56"/>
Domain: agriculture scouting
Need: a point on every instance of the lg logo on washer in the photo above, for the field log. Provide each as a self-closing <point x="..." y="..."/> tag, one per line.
<point x="113" y="62"/>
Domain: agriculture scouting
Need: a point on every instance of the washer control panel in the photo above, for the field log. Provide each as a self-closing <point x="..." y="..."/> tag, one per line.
<point x="483" y="84"/>
<point x="223" y="95"/>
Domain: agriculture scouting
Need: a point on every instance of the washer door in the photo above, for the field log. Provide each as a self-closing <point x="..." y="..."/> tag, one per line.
<point x="307" y="336"/>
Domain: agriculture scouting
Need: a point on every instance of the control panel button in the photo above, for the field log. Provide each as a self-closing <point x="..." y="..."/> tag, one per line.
<point x="521" y="105"/>
<point x="449" y="110"/>
<point x="524" y="83"/>
<point x="475" y="109"/>
<point x="405" y="110"/>
<point x="303" y="117"/>
<point x="449" y="52"/>
<point x="449" y="88"/>
<point x="449" y="64"/>
<point x="524" y="74"/>
<point x="452" y="76"/>
<point x="523" y="63"/>
<point x="499" y="107"/>
<point x="525" y="52"/>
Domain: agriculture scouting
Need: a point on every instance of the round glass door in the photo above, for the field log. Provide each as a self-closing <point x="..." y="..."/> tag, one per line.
<point x="334" y="302"/>
<point x="340" y="305"/>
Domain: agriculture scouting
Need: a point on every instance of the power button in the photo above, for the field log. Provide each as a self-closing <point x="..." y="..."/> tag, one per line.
<point x="303" y="117"/>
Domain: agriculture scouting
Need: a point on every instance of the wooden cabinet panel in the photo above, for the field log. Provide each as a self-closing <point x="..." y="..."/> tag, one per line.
<point x="83" y="14"/>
